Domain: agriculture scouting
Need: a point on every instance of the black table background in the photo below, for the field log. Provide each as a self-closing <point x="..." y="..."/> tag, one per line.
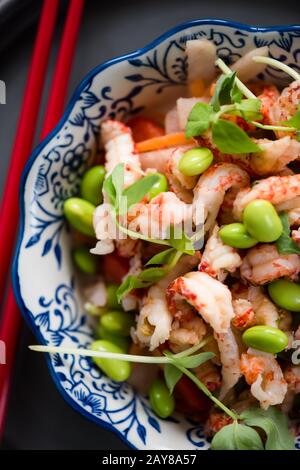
<point x="38" y="417"/>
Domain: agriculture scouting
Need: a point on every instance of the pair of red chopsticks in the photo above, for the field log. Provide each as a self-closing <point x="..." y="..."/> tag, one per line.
<point x="11" y="319"/>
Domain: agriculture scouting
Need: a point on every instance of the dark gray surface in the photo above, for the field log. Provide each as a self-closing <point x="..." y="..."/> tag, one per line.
<point x="38" y="417"/>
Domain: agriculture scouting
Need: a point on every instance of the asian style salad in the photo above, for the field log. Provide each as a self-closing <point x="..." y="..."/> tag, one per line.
<point x="187" y="237"/>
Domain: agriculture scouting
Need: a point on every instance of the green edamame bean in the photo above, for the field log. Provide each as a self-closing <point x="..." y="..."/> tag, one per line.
<point x="159" y="187"/>
<point x="262" y="221"/>
<point x="121" y="341"/>
<point x="236" y="235"/>
<point x="84" y="260"/>
<point x="91" y="184"/>
<point x="79" y="214"/>
<point x="285" y="294"/>
<point x="117" y="322"/>
<point x="195" y="161"/>
<point x="265" y="338"/>
<point x="116" y="369"/>
<point x="161" y="401"/>
<point x="112" y="300"/>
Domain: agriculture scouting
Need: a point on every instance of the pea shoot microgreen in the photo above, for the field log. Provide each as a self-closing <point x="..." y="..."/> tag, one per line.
<point x="277" y="64"/>
<point x="293" y="123"/>
<point x="149" y="276"/>
<point x="121" y="200"/>
<point x="237" y="435"/>
<point x="227" y="99"/>
<point x="285" y="244"/>
<point x="275" y="425"/>
<point x="227" y="136"/>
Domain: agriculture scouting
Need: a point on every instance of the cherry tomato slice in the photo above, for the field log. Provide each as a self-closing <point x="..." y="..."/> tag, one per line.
<point x="190" y="400"/>
<point x="144" y="128"/>
<point x="115" y="267"/>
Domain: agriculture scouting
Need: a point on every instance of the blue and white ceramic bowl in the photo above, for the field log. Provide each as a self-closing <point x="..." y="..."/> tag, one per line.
<point x="45" y="285"/>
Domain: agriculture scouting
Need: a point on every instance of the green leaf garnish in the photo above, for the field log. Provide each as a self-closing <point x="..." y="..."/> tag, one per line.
<point x="275" y="425"/>
<point x="145" y="279"/>
<point x="110" y="190"/>
<point x="152" y="275"/>
<point x="172" y="376"/>
<point x="230" y="138"/>
<point x="199" y="119"/>
<point x="294" y="121"/>
<point x="285" y="244"/>
<point x="236" y="94"/>
<point x="191" y="362"/>
<point x="135" y="192"/>
<point x="249" y="109"/>
<point x="179" y="240"/>
<point x="223" y="91"/>
<point x="236" y="436"/>
<point x="130" y="283"/>
<point x="117" y="176"/>
<point x="164" y="257"/>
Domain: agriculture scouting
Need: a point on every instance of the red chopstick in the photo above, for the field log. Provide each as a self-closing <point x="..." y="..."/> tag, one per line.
<point x="63" y="65"/>
<point x="25" y="135"/>
<point x="11" y="318"/>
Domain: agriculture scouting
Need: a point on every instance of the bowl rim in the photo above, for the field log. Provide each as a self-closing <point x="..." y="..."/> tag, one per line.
<point x="26" y="313"/>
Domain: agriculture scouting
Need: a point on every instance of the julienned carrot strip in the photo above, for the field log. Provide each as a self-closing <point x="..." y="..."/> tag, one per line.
<point x="169" y="140"/>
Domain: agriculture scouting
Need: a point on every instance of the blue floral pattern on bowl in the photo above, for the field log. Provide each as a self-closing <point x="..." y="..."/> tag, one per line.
<point x="45" y="285"/>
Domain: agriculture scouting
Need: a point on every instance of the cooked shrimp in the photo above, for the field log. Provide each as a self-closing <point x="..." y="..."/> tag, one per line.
<point x="158" y="159"/>
<point x="210" y="375"/>
<point x="131" y="301"/>
<point x="209" y="297"/>
<point x="225" y="215"/>
<point x="264" y="264"/>
<point x="179" y="183"/>
<point x="292" y="207"/>
<point x="268" y="97"/>
<point x="263" y="373"/>
<point x="185" y="264"/>
<point x="212" y="185"/>
<point x="219" y="259"/>
<point x="120" y="148"/>
<point x="244" y="314"/>
<point x="105" y="230"/>
<point x="266" y="313"/>
<point x="273" y="158"/>
<point x="286" y="105"/>
<point x="230" y="359"/>
<point x="276" y="189"/>
<point x="185" y="106"/>
<point x="212" y="300"/>
<point x="186" y="333"/>
<point x="253" y="307"/>
<point x="153" y="219"/>
<point x="275" y="155"/>
<point x="216" y="421"/>
<point x="154" y="320"/>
